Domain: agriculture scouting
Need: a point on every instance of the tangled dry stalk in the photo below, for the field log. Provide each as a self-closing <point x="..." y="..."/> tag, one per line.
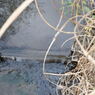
<point x="81" y="80"/>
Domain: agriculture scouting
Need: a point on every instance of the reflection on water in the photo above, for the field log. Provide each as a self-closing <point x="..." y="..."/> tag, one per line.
<point x="32" y="33"/>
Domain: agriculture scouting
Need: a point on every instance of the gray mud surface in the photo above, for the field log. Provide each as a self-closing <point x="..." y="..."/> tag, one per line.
<point x="26" y="78"/>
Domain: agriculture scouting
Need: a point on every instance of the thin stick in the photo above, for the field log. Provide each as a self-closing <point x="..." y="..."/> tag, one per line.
<point x="45" y="20"/>
<point x="93" y="93"/>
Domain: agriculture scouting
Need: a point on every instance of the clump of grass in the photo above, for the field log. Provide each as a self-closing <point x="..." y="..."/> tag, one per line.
<point x="78" y="81"/>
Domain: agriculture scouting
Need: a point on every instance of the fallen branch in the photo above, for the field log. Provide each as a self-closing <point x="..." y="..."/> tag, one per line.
<point x="14" y="16"/>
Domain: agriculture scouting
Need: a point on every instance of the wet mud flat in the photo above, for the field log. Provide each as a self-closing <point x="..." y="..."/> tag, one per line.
<point x="26" y="78"/>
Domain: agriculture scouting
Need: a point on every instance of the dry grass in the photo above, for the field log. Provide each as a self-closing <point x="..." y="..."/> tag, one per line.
<point x="81" y="80"/>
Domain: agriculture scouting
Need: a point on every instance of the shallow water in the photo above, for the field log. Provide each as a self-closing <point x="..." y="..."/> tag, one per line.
<point x="32" y="34"/>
